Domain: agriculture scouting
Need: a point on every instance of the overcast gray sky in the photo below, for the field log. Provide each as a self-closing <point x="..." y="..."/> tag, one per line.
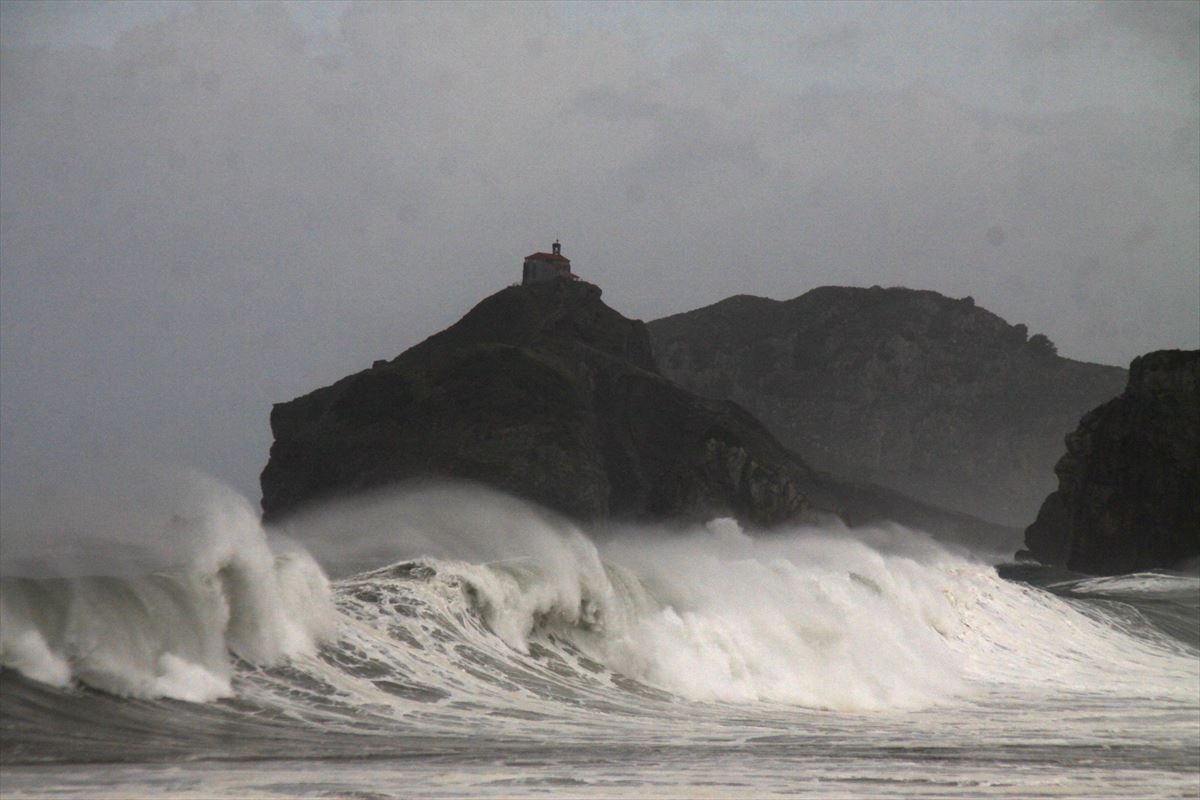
<point x="207" y="209"/>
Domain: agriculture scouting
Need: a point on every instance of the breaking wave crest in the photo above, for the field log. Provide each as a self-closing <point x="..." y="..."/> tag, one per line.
<point x="491" y="612"/>
<point x="153" y="600"/>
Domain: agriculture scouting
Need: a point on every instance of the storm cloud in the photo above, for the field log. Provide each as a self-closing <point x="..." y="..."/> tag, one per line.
<point x="207" y="209"/>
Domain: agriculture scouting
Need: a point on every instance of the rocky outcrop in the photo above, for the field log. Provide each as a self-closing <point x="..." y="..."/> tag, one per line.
<point x="546" y="393"/>
<point x="932" y="397"/>
<point x="1128" y="495"/>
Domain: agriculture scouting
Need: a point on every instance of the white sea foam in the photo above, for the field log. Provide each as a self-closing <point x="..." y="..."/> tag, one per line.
<point x="1152" y="583"/>
<point x="870" y="619"/>
<point x="827" y="618"/>
<point x="816" y="618"/>
<point x="219" y="585"/>
<point x="533" y="659"/>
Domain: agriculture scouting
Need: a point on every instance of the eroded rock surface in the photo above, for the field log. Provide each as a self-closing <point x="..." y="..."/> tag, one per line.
<point x="544" y="392"/>
<point x="1128" y="495"/>
<point x="933" y="397"/>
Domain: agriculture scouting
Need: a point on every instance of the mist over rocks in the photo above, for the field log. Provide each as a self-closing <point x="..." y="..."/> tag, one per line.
<point x="930" y="396"/>
<point x="547" y="394"/>
<point x="1128" y="496"/>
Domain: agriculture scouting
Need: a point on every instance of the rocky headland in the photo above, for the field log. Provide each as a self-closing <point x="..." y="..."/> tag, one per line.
<point x="1128" y="496"/>
<point x="544" y="392"/>
<point x="933" y="397"/>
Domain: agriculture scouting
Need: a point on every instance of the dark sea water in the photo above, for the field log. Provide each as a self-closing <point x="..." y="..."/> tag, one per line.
<point x="450" y="643"/>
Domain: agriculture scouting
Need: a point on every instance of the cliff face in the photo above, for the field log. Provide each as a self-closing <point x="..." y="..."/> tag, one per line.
<point x="1128" y="495"/>
<point x="546" y="393"/>
<point x="933" y="397"/>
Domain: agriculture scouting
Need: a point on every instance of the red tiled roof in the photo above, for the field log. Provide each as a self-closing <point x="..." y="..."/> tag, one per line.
<point x="547" y="257"/>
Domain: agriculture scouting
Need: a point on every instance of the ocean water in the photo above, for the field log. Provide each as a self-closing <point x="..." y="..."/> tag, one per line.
<point x="448" y="642"/>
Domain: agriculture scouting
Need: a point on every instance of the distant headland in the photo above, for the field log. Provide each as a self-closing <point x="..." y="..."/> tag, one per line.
<point x="876" y="404"/>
